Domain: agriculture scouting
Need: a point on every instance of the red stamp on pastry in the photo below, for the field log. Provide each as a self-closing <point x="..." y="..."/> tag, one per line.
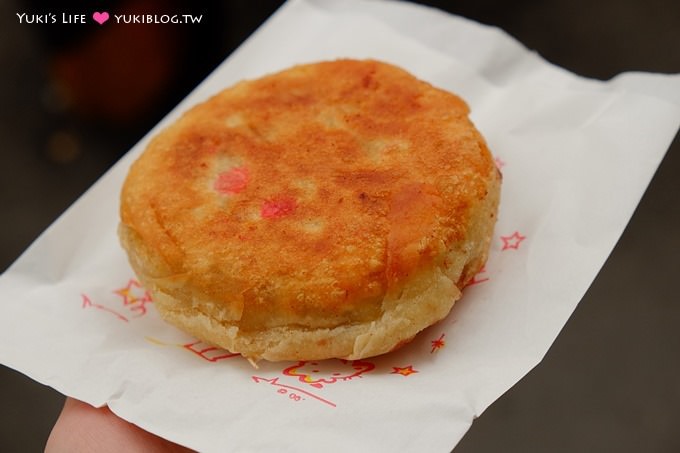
<point x="278" y="207"/>
<point x="232" y="182"/>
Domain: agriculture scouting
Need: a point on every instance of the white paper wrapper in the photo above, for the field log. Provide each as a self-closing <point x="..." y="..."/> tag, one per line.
<point x="576" y="156"/>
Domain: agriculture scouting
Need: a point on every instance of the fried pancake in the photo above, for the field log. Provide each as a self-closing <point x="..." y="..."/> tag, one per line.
<point x="333" y="209"/>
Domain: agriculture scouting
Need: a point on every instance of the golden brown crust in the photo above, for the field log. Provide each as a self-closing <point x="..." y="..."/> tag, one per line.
<point x="302" y="206"/>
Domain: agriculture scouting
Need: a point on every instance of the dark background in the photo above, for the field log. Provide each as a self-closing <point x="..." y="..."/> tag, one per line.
<point x="74" y="98"/>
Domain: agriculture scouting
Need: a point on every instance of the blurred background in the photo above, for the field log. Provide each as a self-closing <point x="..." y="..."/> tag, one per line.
<point x="74" y="98"/>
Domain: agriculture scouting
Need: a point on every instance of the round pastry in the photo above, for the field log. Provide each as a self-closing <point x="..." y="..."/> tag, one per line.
<point x="333" y="209"/>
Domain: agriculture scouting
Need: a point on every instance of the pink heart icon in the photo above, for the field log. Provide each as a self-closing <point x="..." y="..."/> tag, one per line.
<point x="100" y="18"/>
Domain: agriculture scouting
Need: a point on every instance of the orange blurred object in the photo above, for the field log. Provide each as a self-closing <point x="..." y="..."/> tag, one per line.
<point x="121" y="70"/>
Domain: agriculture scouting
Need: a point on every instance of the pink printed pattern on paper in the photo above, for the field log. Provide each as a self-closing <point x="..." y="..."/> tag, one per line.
<point x="135" y="297"/>
<point x="208" y="352"/>
<point x="298" y="393"/>
<point x="199" y="348"/>
<point x="478" y="278"/>
<point x="324" y="372"/>
<point x="513" y="241"/>
<point x="87" y="303"/>
<point x="404" y="371"/>
<point x="133" y="300"/>
<point x="438" y="343"/>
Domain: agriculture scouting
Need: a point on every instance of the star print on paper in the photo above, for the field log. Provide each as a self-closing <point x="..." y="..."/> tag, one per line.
<point x="438" y="343"/>
<point x="513" y="241"/>
<point x="405" y="371"/>
<point x="135" y="296"/>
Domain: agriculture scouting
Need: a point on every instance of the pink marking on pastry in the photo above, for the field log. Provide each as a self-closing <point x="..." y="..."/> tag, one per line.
<point x="232" y="181"/>
<point x="279" y="207"/>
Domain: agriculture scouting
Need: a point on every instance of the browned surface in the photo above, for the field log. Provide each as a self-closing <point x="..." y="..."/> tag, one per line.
<point x="346" y="178"/>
